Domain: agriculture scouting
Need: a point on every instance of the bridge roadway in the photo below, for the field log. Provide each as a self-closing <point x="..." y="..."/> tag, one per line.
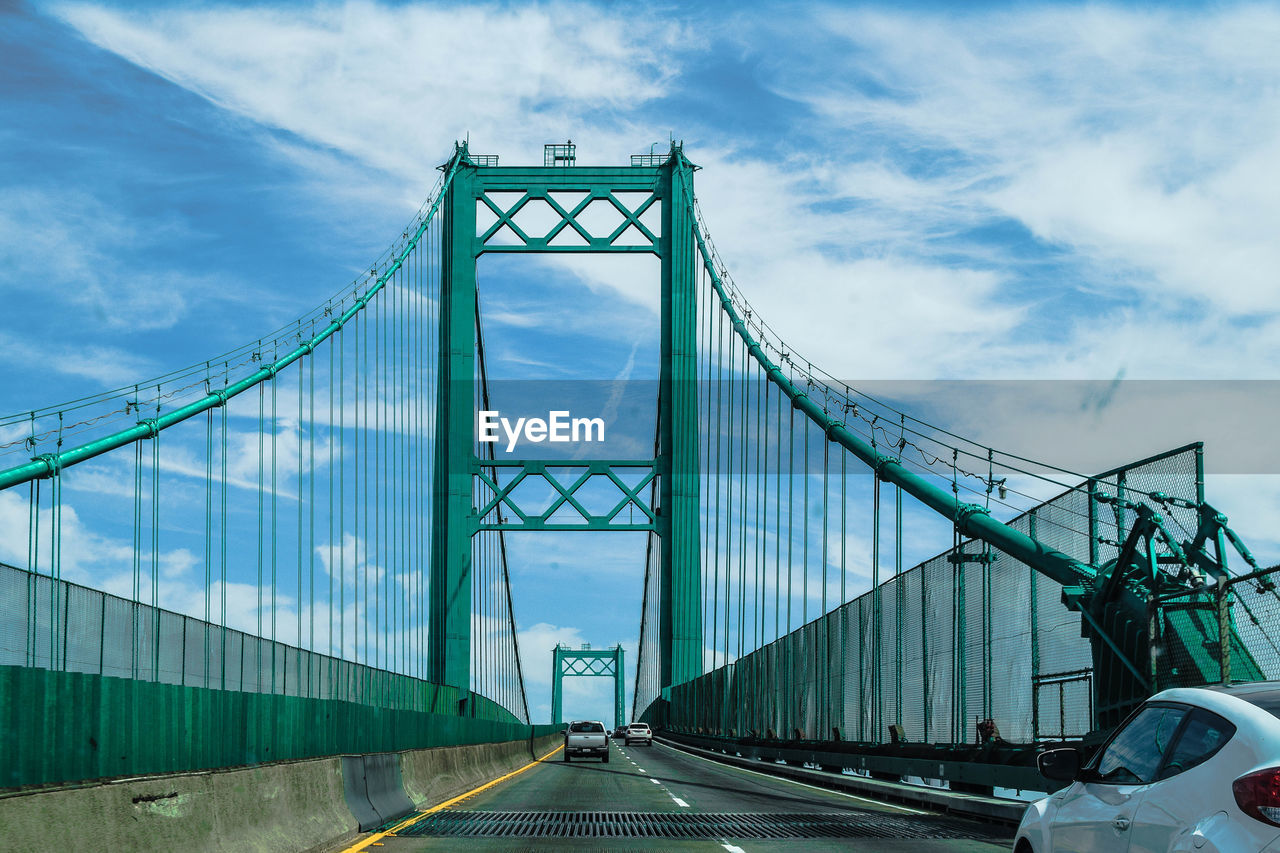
<point x="714" y="807"/>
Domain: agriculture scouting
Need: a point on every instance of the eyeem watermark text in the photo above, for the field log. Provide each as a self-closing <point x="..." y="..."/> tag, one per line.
<point x="558" y="427"/>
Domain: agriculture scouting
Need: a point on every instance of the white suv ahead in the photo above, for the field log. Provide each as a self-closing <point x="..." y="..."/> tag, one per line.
<point x="639" y="733"/>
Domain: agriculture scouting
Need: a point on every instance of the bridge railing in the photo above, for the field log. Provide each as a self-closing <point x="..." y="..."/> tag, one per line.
<point x="969" y="635"/>
<point x="86" y="692"/>
<point x="57" y="625"/>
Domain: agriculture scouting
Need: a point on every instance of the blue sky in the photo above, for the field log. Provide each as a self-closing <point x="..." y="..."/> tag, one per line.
<point x="929" y="191"/>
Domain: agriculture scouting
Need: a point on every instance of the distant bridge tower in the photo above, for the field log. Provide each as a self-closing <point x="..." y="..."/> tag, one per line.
<point x="592" y="663"/>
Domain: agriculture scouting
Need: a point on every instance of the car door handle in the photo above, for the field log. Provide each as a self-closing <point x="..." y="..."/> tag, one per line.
<point x="1121" y="824"/>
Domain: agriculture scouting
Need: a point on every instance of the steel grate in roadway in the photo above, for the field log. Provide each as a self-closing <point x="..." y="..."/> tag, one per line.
<point x="850" y="824"/>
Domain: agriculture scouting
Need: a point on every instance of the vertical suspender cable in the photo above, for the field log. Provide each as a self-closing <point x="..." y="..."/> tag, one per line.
<point x="222" y="549"/>
<point x="298" y="489"/>
<point x="743" y="420"/>
<point x="262" y="543"/>
<point x="208" y="533"/>
<point x="876" y="697"/>
<point x="804" y="531"/>
<point x="274" y="532"/>
<point x="719" y="478"/>
<point x="791" y="490"/>
<point x="332" y="562"/>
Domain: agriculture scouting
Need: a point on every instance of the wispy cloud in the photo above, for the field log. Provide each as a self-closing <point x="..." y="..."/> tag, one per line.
<point x="392" y="85"/>
<point x="1118" y="156"/>
<point x="72" y="246"/>
<point x="111" y="366"/>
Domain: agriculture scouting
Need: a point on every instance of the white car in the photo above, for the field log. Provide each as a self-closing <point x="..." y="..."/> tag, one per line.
<point x="638" y="733"/>
<point x="1193" y="769"/>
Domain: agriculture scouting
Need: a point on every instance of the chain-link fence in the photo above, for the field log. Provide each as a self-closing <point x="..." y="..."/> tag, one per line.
<point x="92" y="685"/>
<point x="1224" y="631"/>
<point x="971" y="634"/>
<point x="55" y="625"/>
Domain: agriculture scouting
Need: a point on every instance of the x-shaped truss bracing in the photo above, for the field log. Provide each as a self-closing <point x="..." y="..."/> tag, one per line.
<point x="492" y="515"/>
<point x="568" y="220"/>
<point x="588" y="666"/>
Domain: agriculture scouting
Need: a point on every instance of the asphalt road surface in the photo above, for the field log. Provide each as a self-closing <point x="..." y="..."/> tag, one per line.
<point x="659" y="798"/>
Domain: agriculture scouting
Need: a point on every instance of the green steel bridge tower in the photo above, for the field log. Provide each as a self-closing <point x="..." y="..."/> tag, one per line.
<point x="588" y="663"/>
<point x="662" y="183"/>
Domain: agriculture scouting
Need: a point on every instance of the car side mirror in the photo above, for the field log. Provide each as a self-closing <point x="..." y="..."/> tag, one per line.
<point x="1059" y="765"/>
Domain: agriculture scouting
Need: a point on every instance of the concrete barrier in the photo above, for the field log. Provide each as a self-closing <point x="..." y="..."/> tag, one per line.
<point x="373" y="788"/>
<point x="432" y="776"/>
<point x="295" y="805"/>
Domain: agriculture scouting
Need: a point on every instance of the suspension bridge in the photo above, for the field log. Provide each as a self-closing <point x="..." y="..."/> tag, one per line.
<point x="329" y="484"/>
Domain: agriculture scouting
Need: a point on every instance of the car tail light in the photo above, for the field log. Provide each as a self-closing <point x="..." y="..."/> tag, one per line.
<point x="1258" y="795"/>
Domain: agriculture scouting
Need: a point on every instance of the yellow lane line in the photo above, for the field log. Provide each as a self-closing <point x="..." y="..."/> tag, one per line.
<point x="407" y="822"/>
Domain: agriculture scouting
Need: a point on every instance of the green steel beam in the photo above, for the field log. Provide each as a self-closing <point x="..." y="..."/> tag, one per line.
<point x="680" y="614"/>
<point x="449" y="637"/>
<point x="550" y="184"/>
<point x="505" y="218"/>
<point x="584" y="472"/>
<point x="557" y="702"/>
<point x="619" y="698"/>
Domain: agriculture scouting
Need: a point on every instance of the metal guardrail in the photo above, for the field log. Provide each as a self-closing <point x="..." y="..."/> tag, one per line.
<point x="813" y="765"/>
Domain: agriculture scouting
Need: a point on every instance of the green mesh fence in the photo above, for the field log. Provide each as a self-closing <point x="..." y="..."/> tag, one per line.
<point x="1223" y="631"/>
<point x="92" y="685"/>
<point x="968" y="635"/>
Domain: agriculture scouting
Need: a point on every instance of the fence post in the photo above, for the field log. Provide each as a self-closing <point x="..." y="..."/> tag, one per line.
<point x="102" y="635"/>
<point x="1153" y="644"/>
<point x="924" y="651"/>
<point x="1224" y="631"/>
<point x="1035" y="628"/>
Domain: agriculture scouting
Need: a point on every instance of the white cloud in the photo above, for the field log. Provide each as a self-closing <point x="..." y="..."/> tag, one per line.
<point x="106" y="365"/>
<point x="394" y="85"/>
<point x="73" y="246"/>
<point x="1135" y="144"/>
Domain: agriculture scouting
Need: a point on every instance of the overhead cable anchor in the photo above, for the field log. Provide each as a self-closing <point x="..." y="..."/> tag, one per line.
<point x="51" y="462"/>
<point x="966" y="511"/>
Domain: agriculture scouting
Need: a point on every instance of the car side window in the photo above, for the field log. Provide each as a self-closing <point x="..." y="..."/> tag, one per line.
<point x="1135" y="754"/>
<point x="1203" y="735"/>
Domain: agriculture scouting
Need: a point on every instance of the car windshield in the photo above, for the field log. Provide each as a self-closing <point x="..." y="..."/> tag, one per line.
<point x="640" y="727"/>
<point x="586" y="727"/>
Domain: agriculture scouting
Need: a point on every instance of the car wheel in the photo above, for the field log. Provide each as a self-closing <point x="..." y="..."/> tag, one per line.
<point x="566" y="755"/>
<point x="606" y="758"/>
<point x="1024" y="846"/>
